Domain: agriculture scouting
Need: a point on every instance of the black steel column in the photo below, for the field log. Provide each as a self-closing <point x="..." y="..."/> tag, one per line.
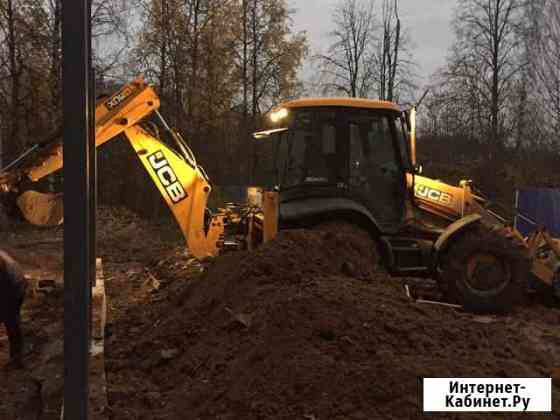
<point x="92" y="155"/>
<point x="77" y="205"/>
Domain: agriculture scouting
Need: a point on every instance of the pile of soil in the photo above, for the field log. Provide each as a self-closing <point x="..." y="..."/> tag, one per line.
<point x="309" y="327"/>
<point x="125" y="237"/>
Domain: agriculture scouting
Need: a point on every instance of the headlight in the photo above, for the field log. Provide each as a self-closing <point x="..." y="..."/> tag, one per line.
<point x="255" y="197"/>
<point x="278" y="115"/>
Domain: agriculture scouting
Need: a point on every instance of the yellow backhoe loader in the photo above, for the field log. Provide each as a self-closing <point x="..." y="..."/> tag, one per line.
<point x="352" y="160"/>
<point x="355" y="160"/>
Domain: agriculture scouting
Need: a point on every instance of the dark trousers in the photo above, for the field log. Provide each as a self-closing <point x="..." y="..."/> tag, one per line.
<point x="12" y="321"/>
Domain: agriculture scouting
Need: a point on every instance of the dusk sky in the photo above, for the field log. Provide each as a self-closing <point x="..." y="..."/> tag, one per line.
<point x="428" y="23"/>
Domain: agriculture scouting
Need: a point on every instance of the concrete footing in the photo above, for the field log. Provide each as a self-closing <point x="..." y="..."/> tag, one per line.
<point x="98" y="384"/>
<point x="97" y="380"/>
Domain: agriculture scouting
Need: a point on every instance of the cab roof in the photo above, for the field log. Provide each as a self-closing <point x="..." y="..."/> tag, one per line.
<point x="342" y="102"/>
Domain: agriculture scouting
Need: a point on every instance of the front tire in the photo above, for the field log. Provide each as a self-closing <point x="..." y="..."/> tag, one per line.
<point x="485" y="270"/>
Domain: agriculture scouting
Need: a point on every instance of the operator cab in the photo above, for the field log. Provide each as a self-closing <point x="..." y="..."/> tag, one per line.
<point x="336" y="154"/>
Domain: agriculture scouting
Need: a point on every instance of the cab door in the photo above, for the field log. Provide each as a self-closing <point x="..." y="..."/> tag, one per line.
<point x="376" y="174"/>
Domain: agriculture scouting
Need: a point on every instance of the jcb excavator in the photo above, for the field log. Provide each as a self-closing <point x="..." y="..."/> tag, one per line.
<point x="355" y="160"/>
<point x="346" y="159"/>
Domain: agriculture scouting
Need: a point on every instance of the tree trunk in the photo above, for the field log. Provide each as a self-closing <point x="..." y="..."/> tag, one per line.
<point x="11" y="144"/>
<point x="255" y="86"/>
<point x="55" y="58"/>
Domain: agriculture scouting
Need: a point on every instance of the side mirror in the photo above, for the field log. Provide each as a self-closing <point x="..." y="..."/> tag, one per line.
<point x="418" y="169"/>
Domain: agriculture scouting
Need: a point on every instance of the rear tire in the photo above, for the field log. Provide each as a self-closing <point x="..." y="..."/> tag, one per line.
<point x="485" y="270"/>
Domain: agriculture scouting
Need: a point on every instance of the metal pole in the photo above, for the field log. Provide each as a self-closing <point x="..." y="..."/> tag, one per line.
<point x="92" y="170"/>
<point x="78" y="251"/>
<point x="92" y="154"/>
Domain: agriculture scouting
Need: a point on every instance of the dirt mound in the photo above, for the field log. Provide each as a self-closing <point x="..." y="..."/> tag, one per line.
<point x="123" y="236"/>
<point x="304" y="327"/>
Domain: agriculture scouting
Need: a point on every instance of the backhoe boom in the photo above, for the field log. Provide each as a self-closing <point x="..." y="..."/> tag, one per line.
<point x="181" y="182"/>
<point x="113" y="115"/>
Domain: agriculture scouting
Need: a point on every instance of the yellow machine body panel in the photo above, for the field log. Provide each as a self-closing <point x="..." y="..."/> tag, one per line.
<point x="437" y="197"/>
<point x="446" y="201"/>
<point x="184" y="189"/>
<point x="112" y="116"/>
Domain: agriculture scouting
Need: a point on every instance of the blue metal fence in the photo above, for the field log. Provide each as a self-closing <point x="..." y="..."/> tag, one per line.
<point x="538" y="207"/>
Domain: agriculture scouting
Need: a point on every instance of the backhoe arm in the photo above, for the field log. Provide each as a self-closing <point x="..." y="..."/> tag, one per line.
<point x="184" y="188"/>
<point x="181" y="182"/>
<point x="113" y="115"/>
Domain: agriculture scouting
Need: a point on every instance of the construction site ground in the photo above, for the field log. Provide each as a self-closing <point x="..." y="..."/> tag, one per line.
<point x="306" y="327"/>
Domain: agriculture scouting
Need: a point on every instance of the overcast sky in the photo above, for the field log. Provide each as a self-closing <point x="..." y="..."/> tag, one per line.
<point x="427" y="21"/>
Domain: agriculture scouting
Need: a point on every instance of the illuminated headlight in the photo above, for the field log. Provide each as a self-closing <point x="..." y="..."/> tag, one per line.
<point x="278" y="115"/>
<point x="255" y="196"/>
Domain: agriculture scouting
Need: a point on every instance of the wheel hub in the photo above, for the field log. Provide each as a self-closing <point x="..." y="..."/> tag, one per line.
<point x="486" y="274"/>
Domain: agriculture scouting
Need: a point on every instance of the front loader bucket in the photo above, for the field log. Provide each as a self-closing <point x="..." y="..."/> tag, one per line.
<point x="41" y="209"/>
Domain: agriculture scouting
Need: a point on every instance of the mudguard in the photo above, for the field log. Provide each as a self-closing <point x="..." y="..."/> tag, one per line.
<point x="317" y="208"/>
<point x="453" y="229"/>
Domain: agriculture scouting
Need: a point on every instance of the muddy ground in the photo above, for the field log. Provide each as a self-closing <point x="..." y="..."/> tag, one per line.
<point x="304" y="328"/>
<point x="36" y="391"/>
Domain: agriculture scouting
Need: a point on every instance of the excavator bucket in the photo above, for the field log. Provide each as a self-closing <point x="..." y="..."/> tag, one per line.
<point x="41" y="209"/>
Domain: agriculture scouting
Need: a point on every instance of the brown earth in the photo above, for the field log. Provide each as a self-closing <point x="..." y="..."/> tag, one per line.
<point x="37" y="389"/>
<point x="306" y="327"/>
<point x="302" y="328"/>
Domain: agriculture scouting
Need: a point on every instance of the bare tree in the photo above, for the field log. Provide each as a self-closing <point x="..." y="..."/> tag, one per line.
<point x="548" y="65"/>
<point x="525" y="116"/>
<point x="272" y="54"/>
<point x="350" y="63"/>
<point x="30" y="64"/>
<point x="487" y="51"/>
<point x="12" y="72"/>
<point x="269" y="58"/>
<point x="368" y="57"/>
<point x="390" y="45"/>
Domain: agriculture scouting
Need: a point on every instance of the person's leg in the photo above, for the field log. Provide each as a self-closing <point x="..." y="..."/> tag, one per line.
<point x="15" y="336"/>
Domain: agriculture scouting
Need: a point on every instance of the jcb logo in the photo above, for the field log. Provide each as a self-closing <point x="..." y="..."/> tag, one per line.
<point x="167" y="177"/>
<point x="422" y="191"/>
<point x="118" y="98"/>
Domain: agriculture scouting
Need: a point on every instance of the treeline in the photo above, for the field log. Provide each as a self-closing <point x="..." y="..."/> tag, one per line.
<point x="493" y="112"/>
<point x="369" y="54"/>
<point x="218" y="65"/>
<point x="30" y="65"/>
